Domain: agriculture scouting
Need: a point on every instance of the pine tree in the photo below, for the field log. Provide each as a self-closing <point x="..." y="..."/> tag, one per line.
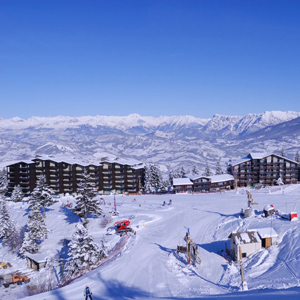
<point x="5" y="222"/>
<point x="17" y="194"/>
<point x="3" y="181"/>
<point x="182" y="171"/>
<point x="219" y="170"/>
<point x="36" y="231"/>
<point x="86" y="201"/>
<point x="42" y="195"/>
<point x="297" y="157"/>
<point x="15" y="238"/>
<point x="207" y="171"/>
<point x="156" y="177"/>
<point x="147" y="181"/>
<point x="282" y="152"/>
<point x="83" y="251"/>
<point x="228" y="168"/>
<point x="171" y="176"/>
<point x="195" y="170"/>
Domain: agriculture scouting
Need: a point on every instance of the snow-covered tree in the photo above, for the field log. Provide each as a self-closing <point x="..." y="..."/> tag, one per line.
<point x="83" y="251"/>
<point x="86" y="201"/>
<point x="228" y="168"/>
<point x="207" y="171"/>
<point x="282" y="152"/>
<point x="147" y="180"/>
<point x="195" y="170"/>
<point x="182" y="171"/>
<point x="173" y="174"/>
<point x="3" y="181"/>
<point x="41" y="195"/>
<point x="219" y="170"/>
<point x="17" y="194"/>
<point x="15" y="238"/>
<point x="279" y="181"/>
<point x="153" y="178"/>
<point x="5" y="222"/>
<point x="36" y="231"/>
<point x="156" y="177"/>
<point x="297" y="157"/>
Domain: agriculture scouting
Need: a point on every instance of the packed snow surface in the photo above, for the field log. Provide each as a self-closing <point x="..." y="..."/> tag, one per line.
<point x="146" y="265"/>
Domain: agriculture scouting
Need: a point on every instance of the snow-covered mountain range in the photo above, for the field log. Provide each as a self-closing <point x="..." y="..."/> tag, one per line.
<point x="169" y="141"/>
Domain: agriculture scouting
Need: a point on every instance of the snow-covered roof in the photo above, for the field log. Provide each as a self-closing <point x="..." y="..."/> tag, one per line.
<point x="240" y="161"/>
<point x="214" y="178"/>
<point x="258" y="155"/>
<point x="73" y="161"/>
<point x="20" y="162"/>
<point x="68" y="160"/>
<point x="38" y="257"/>
<point x="220" y="178"/>
<point x="182" y="181"/>
<point x="267" y="232"/>
<point x="194" y="177"/>
<point x="247" y="237"/>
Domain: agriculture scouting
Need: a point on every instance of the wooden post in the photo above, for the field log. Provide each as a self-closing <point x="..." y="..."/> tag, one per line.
<point x="241" y="264"/>
<point x="62" y="269"/>
<point x="188" y="241"/>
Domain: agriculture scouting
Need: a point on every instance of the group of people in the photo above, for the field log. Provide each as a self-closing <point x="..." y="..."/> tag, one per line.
<point x="170" y="202"/>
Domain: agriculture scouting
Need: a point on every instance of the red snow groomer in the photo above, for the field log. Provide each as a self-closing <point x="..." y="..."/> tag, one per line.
<point x="120" y="227"/>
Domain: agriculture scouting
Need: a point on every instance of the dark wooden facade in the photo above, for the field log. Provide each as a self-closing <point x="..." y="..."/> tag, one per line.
<point x="204" y="184"/>
<point x="63" y="177"/>
<point x="264" y="169"/>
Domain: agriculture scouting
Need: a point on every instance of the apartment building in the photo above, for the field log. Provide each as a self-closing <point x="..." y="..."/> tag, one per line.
<point x="265" y="169"/>
<point x="63" y="176"/>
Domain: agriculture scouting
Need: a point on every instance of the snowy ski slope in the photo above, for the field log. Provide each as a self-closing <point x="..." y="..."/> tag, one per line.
<point x="147" y="267"/>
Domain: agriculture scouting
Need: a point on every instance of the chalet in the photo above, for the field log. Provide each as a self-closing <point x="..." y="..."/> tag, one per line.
<point x="181" y="185"/>
<point x="212" y="183"/>
<point x="266" y="169"/>
<point x="248" y="241"/>
<point x="252" y="240"/>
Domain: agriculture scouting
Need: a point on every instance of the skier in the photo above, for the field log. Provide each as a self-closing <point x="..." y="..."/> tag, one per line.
<point x="164" y="203"/>
<point x="87" y="293"/>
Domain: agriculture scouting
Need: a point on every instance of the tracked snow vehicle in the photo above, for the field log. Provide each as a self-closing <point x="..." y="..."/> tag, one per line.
<point x="120" y="227"/>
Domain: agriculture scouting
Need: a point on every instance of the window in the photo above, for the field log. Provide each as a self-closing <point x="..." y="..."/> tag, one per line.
<point x="275" y="159"/>
<point x="244" y="255"/>
<point x="269" y="159"/>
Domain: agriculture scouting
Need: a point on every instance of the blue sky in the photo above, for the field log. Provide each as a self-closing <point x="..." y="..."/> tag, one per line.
<point x="153" y="58"/>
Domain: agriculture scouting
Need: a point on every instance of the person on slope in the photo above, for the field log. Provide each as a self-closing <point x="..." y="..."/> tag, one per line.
<point x="87" y="293"/>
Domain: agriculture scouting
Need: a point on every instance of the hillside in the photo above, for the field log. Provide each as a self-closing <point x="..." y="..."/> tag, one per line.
<point x="148" y="266"/>
<point x="167" y="141"/>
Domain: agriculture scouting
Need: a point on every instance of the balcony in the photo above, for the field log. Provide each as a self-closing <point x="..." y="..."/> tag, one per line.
<point x="24" y="172"/>
<point x="131" y="185"/>
<point x="106" y="172"/>
<point x="119" y="186"/>
<point x="119" y="181"/>
<point x="107" y="186"/>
